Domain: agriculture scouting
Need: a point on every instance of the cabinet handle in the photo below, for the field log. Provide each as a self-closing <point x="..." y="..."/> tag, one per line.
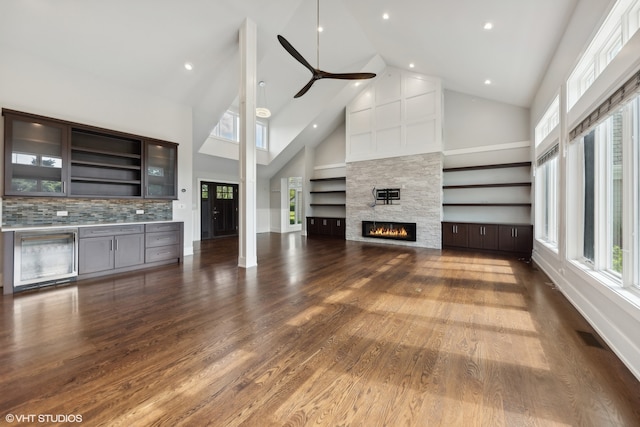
<point x="516" y="230"/>
<point x="111" y="245"/>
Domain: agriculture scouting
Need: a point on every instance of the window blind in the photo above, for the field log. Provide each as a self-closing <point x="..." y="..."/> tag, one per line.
<point x="548" y="155"/>
<point x="622" y="94"/>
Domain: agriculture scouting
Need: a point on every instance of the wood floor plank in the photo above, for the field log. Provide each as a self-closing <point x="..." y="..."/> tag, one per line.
<point x="322" y="332"/>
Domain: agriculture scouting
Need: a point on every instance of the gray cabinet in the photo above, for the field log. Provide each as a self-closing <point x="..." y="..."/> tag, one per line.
<point x="163" y="242"/>
<point x="110" y="248"/>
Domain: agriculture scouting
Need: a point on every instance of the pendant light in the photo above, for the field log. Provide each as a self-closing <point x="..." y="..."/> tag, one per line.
<point x="262" y="111"/>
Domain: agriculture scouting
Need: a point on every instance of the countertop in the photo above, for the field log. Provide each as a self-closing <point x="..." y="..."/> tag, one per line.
<point x="68" y="226"/>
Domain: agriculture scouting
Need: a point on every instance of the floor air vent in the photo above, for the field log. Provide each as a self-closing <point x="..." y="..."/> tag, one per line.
<point x="590" y="339"/>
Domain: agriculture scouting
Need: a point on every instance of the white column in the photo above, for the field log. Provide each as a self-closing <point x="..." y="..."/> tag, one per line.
<point x="247" y="233"/>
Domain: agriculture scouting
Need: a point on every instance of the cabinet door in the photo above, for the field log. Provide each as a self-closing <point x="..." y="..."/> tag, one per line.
<point x="523" y="241"/>
<point x="129" y="250"/>
<point x="490" y="237"/>
<point x="476" y="236"/>
<point x="455" y="235"/>
<point x="506" y="236"/>
<point x="339" y="229"/>
<point x="313" y="227"/>
<point x="161" y="170"/>
<point x="325" y="226"/>
<point x="95" y="254"/>
<point x="36" y="157"/>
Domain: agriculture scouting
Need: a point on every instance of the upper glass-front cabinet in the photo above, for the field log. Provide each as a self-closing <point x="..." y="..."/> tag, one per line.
<point x="161" y="161"/>
<point x="36" y="154"/>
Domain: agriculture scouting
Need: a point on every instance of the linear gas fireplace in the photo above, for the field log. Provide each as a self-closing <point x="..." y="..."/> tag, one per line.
<point x="389" y="230"/>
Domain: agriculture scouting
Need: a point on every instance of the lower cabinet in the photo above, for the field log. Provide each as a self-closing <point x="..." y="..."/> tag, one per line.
<point x="112" y="249"/>
<point x="515" y="238"/>
<point x="483" y="236"/>
<point x="108" y="248"/>
<point x="512" y="238"/>
<point x="326" y="226"/>
<point x="162" y="242"/>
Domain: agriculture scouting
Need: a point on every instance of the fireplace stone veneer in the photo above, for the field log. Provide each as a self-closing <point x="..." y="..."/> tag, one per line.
<point x="419" y="177"/>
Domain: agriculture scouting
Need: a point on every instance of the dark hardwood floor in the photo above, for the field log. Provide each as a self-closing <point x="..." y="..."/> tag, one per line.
<point x="322" y="332"/>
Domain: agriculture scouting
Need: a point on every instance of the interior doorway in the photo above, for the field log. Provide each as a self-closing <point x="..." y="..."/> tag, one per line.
<point x="218" y="210"/>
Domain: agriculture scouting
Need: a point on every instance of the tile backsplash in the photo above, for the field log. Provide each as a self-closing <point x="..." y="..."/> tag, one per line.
<point x="41" y="211"/>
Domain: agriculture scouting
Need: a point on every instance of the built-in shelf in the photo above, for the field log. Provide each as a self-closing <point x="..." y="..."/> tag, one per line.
<point x="329" y="192"/>
<point x="105" y="165"/>
<point x="111" y="181"/>
<point x="337" y="178"/>
<point x="480" y="167"/>
<point x="499" y="192"/>
<point x="487" y="204"/>
<point x="513" y="184"/>
<point x="105" y="152"/>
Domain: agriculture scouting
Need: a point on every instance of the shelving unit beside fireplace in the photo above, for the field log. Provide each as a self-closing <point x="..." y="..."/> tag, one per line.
<point x="327" y="207"/>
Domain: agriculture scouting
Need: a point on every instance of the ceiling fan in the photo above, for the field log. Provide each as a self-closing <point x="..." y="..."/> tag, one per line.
<point x="316" y="72"/>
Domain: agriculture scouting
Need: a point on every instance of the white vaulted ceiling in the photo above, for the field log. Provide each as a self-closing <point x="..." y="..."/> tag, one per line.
<point x="143" y="45"/>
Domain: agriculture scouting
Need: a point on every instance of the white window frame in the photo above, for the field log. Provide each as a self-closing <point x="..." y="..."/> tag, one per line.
<point x="262" y="126"/>
<point x="619" y="26"/>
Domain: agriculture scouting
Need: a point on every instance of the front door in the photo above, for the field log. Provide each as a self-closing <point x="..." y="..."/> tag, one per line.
<point x="219" y="210"/>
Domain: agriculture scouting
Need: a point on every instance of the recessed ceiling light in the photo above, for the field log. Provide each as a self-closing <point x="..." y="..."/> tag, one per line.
<point x="412" y="65"/>
<point x="487" y="82"/>
<point x="385" y="16"/>
<point x="320" y="29"/>
<point x="488" y="26"/>
<point x="315" y="126"/>
<point x="356" y="84"/>
<point x="188" y="66"/>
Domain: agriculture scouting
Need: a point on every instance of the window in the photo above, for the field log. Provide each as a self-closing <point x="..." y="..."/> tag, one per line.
<point x="547" y="197"/>
<point x="295" y="200"/>
<point x="224" y="192"/>
<point x="548" y="122"/>
<point x="620" y="25"/>
<point x="229" y="128"/>
<point x="607" y="161"/>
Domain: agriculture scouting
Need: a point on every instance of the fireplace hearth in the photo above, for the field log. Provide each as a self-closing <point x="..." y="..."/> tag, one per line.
<point x="389" y="230"/>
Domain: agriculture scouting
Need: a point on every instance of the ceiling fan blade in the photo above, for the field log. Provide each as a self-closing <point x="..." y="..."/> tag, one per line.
<point x="293" y="52"/>
<point x="305" y="88"/>
<point x="348" y="76"/>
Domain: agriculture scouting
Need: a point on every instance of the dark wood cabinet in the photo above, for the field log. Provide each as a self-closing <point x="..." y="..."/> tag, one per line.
<point x="49" y="157"/>
<point x="483" y="236"/>
<point x="326" y="226"/>
<point x="455" y="235"/>
<point x="516" y="238"/>
<point x="513" y="238"/>
<point x="36" y="156"/>
<point x="104" y="165"/>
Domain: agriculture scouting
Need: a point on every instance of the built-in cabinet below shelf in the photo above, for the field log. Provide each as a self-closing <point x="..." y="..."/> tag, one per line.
<point x="507" y="238"/>
<point x="329" y="196"/>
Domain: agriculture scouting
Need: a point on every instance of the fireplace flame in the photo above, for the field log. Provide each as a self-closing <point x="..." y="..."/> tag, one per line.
<point x="390" y="232"/>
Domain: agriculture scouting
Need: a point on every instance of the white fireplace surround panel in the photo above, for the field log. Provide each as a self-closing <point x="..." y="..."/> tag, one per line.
<point x="420" y="179"/>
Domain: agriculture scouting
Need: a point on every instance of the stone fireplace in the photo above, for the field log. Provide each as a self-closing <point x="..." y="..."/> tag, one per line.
<point x="419" y="180"/>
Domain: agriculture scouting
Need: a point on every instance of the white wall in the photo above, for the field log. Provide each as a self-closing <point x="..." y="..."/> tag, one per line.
<point x="400" y="114"/>
<point x="470" y="121"/>
<point x="31" y="85"/>
<point x="613" y="312"/>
